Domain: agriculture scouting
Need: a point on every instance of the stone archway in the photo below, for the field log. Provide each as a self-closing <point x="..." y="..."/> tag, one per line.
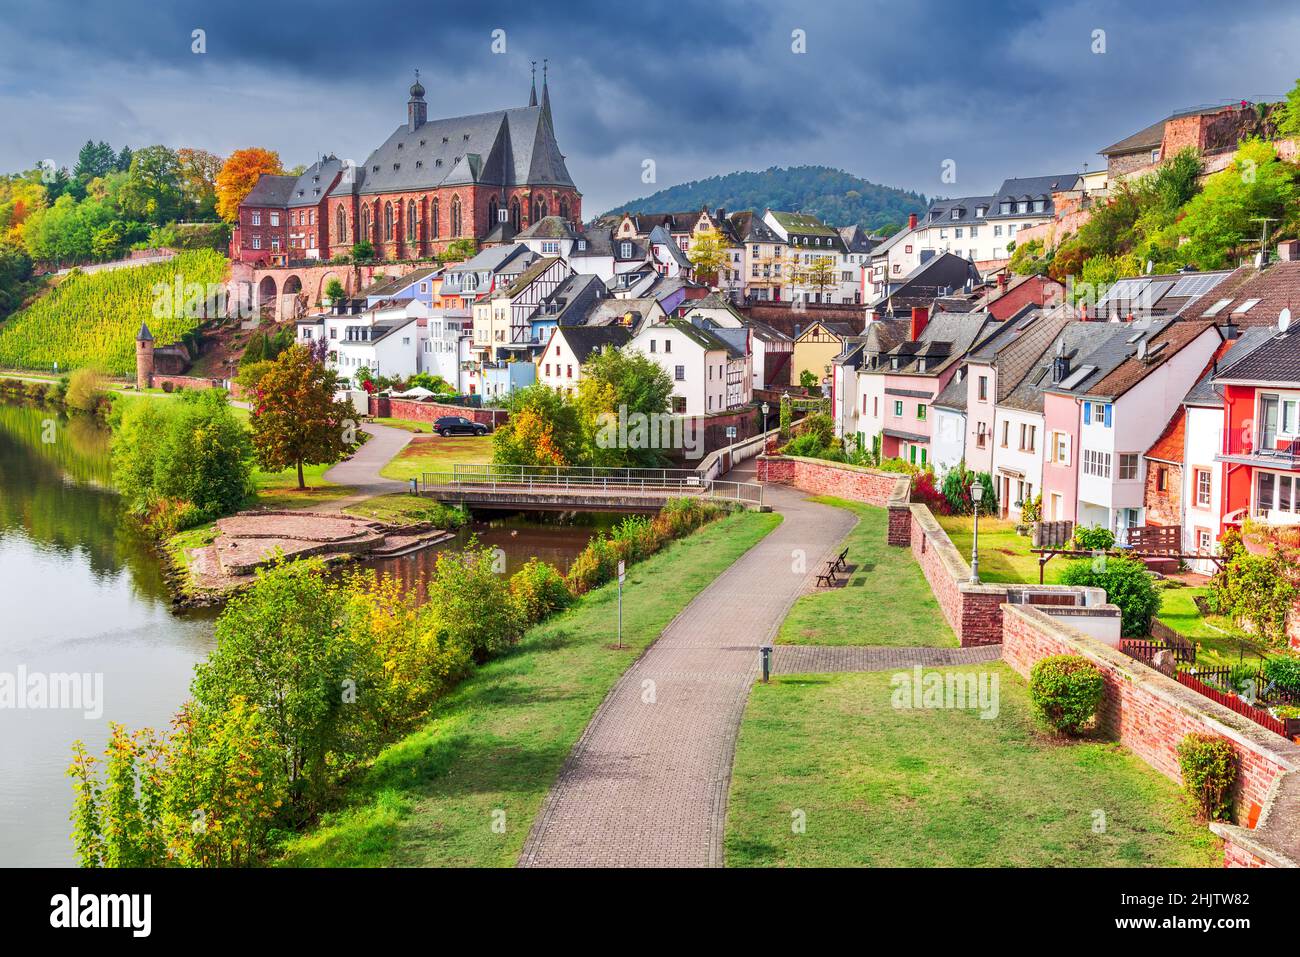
<point x="292" y="301"/>
<point x="324" y="284"/>
<point x="266" y="299"/>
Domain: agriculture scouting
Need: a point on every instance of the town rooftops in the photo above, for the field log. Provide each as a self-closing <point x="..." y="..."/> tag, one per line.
<point x="1253" y="297"/>
<point x="492" y="259"/>
<point x="1171" y="294"/>
<point x="1274" y="361"/>
<point x="1151" y="137"/>
<point x="387" y="287"/>
<point x="1205" y="393"/>
<point x="316" y="181"/>
<point x="750" y="228"/>
<point x="1074" y="339"/>
<point x="943" y="341"/>
<point x="529" y="275"/>
<point x="549" y="227"/>
<point x="1142" y="352"/>
<point x="968" y="209"/>
<point x="270" y="190"/>
<point x="1018" y="350"/>
<point x="803" y="224"/>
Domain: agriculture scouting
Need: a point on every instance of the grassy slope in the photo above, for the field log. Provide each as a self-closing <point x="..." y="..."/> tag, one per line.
<point x="498" y="741"/>
<point x="919" y="788"/>
<point x="1004" y="555"/>
<point x="435" y="453"/>
<point x="1218" y="641"/>
<point x="886" y="602"/>
<point x="91" y="319"/>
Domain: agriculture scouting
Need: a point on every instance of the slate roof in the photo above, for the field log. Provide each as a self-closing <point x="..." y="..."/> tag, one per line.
<point x="750" y="228"/>
<point x="612" y="311"/>
<point x="492" y="259"/>
<point x="549" y="227"/>
<point x="954" y="394"/>
<point x="803" y="224"/>
<point x="522" y="281"/>
<point x="1150" y="137"/>
<point x="1076" y="338"/>
<point x="270" y="190"/>
<point x="1274" y="360"/>
<point x="388" y="287"/>
<point x="1030" y="187"/>
<point x="574" y="299"/>
<point x="315" y="182"/>
<point x="856" y="240"/>
<point x="661" y="236"/>
<point x="1108" y="346"/>
<point x="944" y="340"/>
<point x="706" y="338"/>
<point x="1204" y="393"/>
<point x="940" y="211"/>
<point x="513" y="147"/>
<point x="584" y="340"/>
<point x="1018" y="351"/>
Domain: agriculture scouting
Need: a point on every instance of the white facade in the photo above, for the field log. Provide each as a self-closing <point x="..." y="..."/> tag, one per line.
<point x="445" y="330"/>
<point x="699" y="375"/>
<point x="947" y="444"/>
<point x="1202" y="491"/>
<point x="1018" y="461"/>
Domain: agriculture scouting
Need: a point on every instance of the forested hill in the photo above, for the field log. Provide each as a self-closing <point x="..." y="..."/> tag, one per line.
<point x="836" y="197"/>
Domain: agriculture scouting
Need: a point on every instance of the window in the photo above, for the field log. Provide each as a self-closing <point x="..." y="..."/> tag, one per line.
<point x="455" y="216"/>
<point x="679" y="403"/>
<point x="569" y="372"/>
<point x="1162" y="479"/>
<point x="898" y="407"/>
<point x="1204" y="543"/>
<point x="653" y="347"/>
<point x="550" y="248"/>
<point x="625" y="250"/>
<point x="984" y="388"/>
<point x="257" y="242"/>
<point x="997" y="230"/>
<point x="410" y="221"/>
<point x="1096" y="463"/>
<point x="1264" y="489"/>
<point x="1006" y="428"/>
<point x="920" y="411"/>
<point x="679" y="373"/>
<point x="1203" y="488"/>
<point x="257" y="217"/>
<point x="668" y="345"/>
<point x="1155" y="155"/>
<point x="275" y="219"/>
<point x="907" y="249"/>
<point x="1128" y="466"/>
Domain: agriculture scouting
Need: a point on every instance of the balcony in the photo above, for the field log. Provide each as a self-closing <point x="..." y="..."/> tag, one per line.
<point x="1244" y="447"/>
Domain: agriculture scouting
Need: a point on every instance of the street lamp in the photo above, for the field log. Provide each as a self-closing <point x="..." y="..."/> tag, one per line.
<point x="766" y="408"/>
<point x="976" y="494"/>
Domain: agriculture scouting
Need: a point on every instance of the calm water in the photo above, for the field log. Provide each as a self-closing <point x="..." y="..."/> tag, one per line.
<point x="81" y="592"/>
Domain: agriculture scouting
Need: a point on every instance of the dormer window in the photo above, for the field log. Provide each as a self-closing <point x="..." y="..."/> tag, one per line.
<point x="396" y="167"/>
<point x="582" y="245"/>
<point x="956" y="214"/>
<point x="444" y="139"/>
<point x="466" y="137"/>
<point x="625" y="250"/>
<point x="437" y="162"/>
<point x="419" y="164"/>
<point x="1039" y="205"/>
<point x="422" y="142"/>
<point x="1005" y="208"/>
<point x="375" y="168"/>
<point x="399" y="146"/>
<point x="980" y="211"/>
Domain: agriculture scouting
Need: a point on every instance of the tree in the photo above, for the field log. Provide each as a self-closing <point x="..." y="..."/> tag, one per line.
<point x="123" y="160"/>
<point x="94" y="160"/>
<point x="543" y="429"/>
<point x="334" y="290"/>
<point x="1289" y="121"/>
<point x="239" y="174"/>
<point x="458" y="250"/>
<point x="363" y="250"/>
<point x="296" y="420"/>
<point x="627" y="389"/>
<point x="152" y="191"/>
<point x="197" y="172"/>
<point x="709" y="255"/>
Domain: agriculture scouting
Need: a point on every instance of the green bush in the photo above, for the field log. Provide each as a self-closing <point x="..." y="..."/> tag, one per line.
<point x="808" y="445"/>
<point x="1093" y="538"/>
<point x="1284" y="672"/>
<point x="1209" y="769"/>
<point x="86" y="389"/>
<point x="1065" y="692"/>
<point x="471" y="602"/>
<point x="538" y="590"/>
<point x="1127" y="584"/>
<point x="957" y="482"/>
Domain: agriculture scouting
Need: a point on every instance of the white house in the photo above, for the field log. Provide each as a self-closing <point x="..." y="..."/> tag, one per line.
<point x="701" y="365"/>
<point x="387" y="339"/>
<point x="560" y="364"/>
<point x="445" y="331"/>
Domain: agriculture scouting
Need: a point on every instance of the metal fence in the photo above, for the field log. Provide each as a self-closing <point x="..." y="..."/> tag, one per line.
<point x="549" y="478"/>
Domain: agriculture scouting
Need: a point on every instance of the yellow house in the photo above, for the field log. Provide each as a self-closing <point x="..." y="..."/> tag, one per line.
<point x="816" y="346"/>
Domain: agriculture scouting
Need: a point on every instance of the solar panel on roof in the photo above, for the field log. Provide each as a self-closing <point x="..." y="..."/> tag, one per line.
<point x="1195" y="285"/>
<point x="1153" y="293"/>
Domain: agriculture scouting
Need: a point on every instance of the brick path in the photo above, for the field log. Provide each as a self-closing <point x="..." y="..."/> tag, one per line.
<point x="646" y="785"/>
<point x="820" y="659"/>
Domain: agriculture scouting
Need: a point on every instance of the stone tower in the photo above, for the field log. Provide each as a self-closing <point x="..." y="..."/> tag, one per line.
<point x="143" y="357"/>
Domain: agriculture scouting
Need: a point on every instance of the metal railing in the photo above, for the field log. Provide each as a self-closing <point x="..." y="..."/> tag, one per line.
<point x="547" y="478"/>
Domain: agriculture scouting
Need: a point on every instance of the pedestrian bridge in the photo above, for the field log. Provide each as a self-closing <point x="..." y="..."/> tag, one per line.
<point x="576" y="488"/>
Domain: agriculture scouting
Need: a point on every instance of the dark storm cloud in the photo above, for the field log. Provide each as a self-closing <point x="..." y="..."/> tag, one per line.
<point x="886" y="90"/>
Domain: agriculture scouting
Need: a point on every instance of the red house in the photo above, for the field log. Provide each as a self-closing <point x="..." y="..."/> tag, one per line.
<point x="285" y="217"/>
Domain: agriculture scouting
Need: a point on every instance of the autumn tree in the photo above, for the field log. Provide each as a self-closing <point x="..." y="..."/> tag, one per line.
<point x="543" y="429"/>
<point x="296" y="419"/>
<point x="623" y="401"/>
<point x="197" y="173"/>
<point x="709" y="255"/>
<point x="239" y="175"/>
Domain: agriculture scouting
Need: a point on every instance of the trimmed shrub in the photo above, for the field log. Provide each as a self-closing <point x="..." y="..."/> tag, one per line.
<point x="538" y="590"/>
<point x="1065" y="692"/>
<point x="1209" y="768"/>
<point x="1127" y="584"/>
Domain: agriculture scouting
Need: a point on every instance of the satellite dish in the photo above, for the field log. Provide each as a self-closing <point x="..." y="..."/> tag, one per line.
<point x="1150" y="266"/>
<point x="1142" y="349"/>
<point x="1284" y="319"/>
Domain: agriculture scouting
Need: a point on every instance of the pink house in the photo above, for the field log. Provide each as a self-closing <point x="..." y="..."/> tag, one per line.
<point x="1060" y="478"/>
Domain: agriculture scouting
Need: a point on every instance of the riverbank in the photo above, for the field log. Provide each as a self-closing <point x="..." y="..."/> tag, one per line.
<point x="464" y="790"/>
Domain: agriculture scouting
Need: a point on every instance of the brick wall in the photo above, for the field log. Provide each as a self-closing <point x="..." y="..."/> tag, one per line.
<point x="1149" y="713"/>
<point x="833" y="478"/>
<point x="973" y="612"/>
<point x="389" y="408"/>
<point x="184" y="381"/>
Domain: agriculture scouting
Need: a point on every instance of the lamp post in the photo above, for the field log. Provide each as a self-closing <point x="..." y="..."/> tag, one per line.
<point x="976" y="493"/>
<point x="766" y="408"/>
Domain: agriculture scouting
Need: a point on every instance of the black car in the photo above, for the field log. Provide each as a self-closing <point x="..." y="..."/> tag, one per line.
<point x="458" y="425"/>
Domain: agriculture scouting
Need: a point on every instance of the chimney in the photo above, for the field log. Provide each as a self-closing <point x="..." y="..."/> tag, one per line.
<point x="1002" y="282"/>
<point x="1083" y="312"/>
<point x="722" y="213"/>
<point x="911" y="220"/>
<point x="1289" y="250"/>
<point x="920" y="316"/>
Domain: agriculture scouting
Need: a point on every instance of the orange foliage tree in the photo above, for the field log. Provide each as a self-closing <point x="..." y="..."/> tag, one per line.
<point x="239" y="175"/>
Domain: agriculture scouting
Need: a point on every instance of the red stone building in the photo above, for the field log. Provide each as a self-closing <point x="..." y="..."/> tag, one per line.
<point x="284" y="217"/>
<point x="484" y="177"/>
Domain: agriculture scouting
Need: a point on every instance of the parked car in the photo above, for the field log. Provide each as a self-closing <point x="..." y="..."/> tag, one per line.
<point x="458" y="425"/>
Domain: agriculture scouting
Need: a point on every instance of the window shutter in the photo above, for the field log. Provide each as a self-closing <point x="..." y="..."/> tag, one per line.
<point x="1087" y="413"/>
<point x="1108" y="411"/>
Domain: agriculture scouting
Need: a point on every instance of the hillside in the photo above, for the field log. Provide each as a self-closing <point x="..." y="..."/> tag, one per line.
<point x="90" y="319"/>
<point x="836" y="197"/>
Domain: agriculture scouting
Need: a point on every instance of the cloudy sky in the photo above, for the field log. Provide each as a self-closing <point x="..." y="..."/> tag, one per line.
<point x="886" y="90"/>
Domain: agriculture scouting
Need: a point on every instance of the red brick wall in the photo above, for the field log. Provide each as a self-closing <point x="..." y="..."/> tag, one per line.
<point x="187" y="381"/>
<point x="389" y="408"/>
<point x="1235" y="855"/>
<point x="1149" y="713"/>
<point x="1163" y="507"/>
<point x="829" y="478"/>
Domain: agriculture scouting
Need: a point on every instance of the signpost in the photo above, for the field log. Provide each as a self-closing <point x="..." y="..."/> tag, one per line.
<point x="621" y="575"/>
<point x="731" y="442"/>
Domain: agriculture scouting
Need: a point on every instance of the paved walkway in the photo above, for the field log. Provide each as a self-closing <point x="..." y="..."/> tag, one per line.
<point x="821" y="659"/>
<point x="646" y="785"/>
<point x="362" y="470"/>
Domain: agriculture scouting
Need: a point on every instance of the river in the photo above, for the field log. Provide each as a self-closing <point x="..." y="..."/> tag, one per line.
<point x="82" y="592"/>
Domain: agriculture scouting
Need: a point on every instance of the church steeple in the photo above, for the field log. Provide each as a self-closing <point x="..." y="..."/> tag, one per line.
<point x="417" y="111"/>
<point x="532" y="94"/>
<point x="546" y="93"/>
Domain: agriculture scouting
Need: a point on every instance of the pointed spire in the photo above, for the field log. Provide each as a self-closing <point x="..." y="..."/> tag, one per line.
<point x="144" y="335"/>
<point x="532" y="94"/>
<point x="546" y="93"/>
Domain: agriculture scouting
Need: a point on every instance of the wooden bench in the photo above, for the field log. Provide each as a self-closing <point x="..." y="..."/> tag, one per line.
<point x="827" y="577"/>
<point x="842" y="562"/>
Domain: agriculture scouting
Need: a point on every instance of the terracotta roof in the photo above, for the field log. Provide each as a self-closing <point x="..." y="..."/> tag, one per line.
<point x="1276" y="287"/>
<point x="1173" y="337"/>
<point x="1169" y="447"/>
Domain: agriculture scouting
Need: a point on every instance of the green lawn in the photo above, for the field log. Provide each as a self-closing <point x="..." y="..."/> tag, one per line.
<point x="1004" y="555"/>
<point x="1218" y="641"/>
<point x="885" y="787"/>
<point x="280" y="489"/>
<point x="410" y="425"/>
<point x="400" y="508"/>
<point x="435" y="453"/>
<point x="497" y="742"/>
<point x="887" y="600"/>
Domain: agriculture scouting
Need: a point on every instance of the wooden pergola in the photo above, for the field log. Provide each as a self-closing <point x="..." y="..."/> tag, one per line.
<point x="1045" y="555"/>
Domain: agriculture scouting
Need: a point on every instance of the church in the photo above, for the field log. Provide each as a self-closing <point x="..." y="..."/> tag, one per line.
<point x="483" y="177"/>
